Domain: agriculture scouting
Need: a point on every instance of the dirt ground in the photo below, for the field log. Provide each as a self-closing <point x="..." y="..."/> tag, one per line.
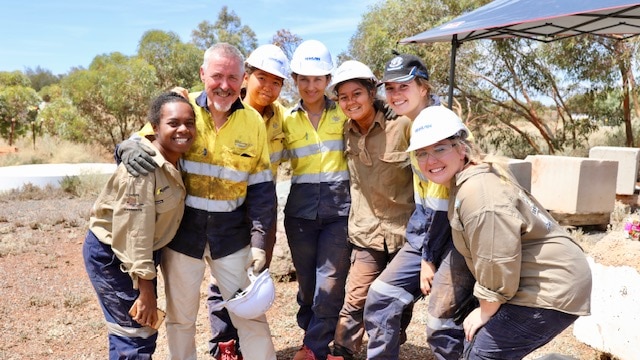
<point x="48" y="309"/>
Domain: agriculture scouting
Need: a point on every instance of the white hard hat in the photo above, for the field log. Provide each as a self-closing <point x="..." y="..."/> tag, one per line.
<point x="348" y="70"/>
<point x="433" y="124"/>
<point x="271" y="59"/>
<point x="256" y="299"/>
<point x="311" y="58"/>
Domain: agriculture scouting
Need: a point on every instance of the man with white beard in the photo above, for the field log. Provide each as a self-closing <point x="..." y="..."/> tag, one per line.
<point x="230" y="195"/>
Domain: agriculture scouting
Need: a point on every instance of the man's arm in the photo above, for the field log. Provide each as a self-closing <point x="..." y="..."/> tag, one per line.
<point x="137" y="157"/>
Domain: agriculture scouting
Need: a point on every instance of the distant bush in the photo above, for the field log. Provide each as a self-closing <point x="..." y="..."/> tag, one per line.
<point x="49" y="150"/>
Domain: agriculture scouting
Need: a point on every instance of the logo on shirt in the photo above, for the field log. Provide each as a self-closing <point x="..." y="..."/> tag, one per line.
<point x="132" y="203"/>
<point x="241" y="144"/>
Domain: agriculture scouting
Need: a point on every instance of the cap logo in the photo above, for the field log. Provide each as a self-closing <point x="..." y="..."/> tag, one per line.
<point x="395" y="63"/>
<point x="312" y="58"/>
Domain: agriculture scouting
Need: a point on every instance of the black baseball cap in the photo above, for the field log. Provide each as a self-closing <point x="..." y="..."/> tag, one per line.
<point x="403" y="68"/>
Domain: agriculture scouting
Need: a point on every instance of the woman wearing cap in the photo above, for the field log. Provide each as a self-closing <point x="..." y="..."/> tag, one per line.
<point x="428" y="248"/>
<point x="317" y="208"/>
<point x="381" y="193"/>
<point x="266" y="69"/>
<point x="531" y="279"/>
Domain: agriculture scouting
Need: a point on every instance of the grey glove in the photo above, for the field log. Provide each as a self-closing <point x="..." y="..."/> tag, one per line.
<point x="388" y="112"/>
<point x="137" y="157"/>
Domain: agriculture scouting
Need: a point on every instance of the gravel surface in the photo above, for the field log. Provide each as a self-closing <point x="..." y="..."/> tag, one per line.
<point x="49" y="311"/>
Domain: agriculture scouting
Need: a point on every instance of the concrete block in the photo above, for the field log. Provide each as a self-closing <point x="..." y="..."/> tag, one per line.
<point x="573" y="185"/>
<point x="628" y="160"/>
<point x="521" y="169"/>
<point x="615" y="312"/>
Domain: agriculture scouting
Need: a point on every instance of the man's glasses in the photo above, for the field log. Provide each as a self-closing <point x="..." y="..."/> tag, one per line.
<point x="438" y="152"/>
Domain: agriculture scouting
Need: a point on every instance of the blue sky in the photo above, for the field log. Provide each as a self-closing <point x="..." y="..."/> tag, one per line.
<point x="59" y="35"/>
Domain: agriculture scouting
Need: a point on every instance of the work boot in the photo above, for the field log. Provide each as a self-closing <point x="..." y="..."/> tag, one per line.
<point x="227" y="351"/>
<point x="304" y="354"/>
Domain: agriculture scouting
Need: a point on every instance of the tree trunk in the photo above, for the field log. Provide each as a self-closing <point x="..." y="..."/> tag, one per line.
<point x="626" y="109"/>
<point x="13" y="128"/>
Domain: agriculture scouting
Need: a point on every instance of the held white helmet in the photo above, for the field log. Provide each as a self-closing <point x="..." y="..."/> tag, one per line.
<point x="311" y="58"/>
<point x="349" y="70"/>
<point x="271" y="59"/>
<point x="433" y="124"/>
<point x="256" y="299"/>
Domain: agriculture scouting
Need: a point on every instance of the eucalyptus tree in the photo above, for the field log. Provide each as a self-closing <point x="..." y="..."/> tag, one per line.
<point x="509" y="85"/>
<point x="227" y="28"/>
<point x="604" y="68"/>
<point x="176" y="63"/>
<point x="60" y="118"/>
<point x="114" y="93"/>
<point x="41" y="77"/>
<point x="19" y="104"/>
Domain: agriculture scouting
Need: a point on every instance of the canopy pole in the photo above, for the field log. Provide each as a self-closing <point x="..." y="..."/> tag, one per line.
<point x="452" y="69"/>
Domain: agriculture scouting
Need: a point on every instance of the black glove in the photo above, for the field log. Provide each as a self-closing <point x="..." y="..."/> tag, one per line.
<point x="137" y="157"/>
<point x="468" y="305"/>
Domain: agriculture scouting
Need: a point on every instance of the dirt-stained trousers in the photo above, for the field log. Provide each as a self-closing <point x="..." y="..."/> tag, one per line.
<point x="366" y="265"/>
<point x="320" y="252"/>
<point x="116" y="295"/>
<point x="222" y="329"/>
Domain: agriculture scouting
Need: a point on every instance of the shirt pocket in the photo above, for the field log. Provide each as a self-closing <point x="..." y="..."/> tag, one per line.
<point x="239" y="158"/>
<point x="276" y="142"/>
<point x="336" y="129"/>
<point x="295" y="139"/>
<point x="167" y="198"/>
<point x="397" y="166"/>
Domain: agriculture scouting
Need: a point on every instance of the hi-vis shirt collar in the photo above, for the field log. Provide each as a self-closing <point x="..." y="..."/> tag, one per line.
<point x="201" y="101"/>
<point x="328" y="105"/>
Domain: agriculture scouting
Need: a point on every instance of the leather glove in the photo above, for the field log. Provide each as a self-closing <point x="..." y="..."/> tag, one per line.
<point x="137" y="157"/>
<point x="258" y="259"/>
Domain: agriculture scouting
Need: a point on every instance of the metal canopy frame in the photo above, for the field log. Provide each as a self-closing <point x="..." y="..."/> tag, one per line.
<point x="540" y="20"/>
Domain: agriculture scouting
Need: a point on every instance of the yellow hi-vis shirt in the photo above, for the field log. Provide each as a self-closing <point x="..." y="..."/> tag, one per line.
<point x="230" y="188"/>
<point x="273" y="118"/>
<point x="320" y="179"/>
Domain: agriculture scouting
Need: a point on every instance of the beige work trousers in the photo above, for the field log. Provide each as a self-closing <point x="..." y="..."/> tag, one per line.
<point x="183" y="277"/>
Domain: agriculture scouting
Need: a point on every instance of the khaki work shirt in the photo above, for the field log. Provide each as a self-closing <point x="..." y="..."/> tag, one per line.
<point x="516" y="251"/>
<point x="138" y="215"/>
<point x="381" y="183"/>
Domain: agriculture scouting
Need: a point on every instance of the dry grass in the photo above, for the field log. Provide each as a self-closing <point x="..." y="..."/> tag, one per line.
<point x="49" y="150"/>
